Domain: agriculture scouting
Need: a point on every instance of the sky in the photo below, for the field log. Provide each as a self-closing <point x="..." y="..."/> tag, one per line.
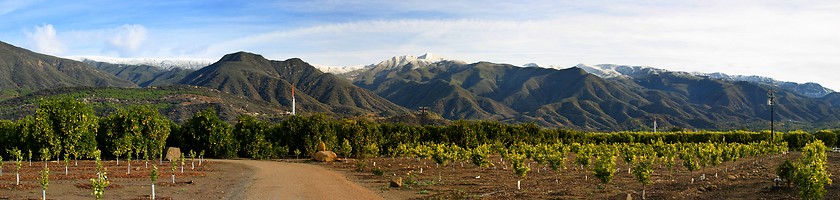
<point x="787" y="40"/>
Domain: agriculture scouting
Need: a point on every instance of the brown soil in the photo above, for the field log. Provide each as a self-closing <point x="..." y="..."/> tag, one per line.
<point x="215" y="179"/>
<point x="750" y="178"/>
<point x="211" y="180"/>
<point x="297" y="181"/>
<point x="246" y="179"/>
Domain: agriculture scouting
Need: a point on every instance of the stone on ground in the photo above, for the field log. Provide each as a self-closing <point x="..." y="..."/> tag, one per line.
<point x="397" y="182"/>
<point x="325" y="156"/>
<point x="173" y="153"/>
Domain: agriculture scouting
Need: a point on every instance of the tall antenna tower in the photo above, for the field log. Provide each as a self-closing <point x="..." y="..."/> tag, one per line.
<point x="293" y="99"/>
<point x="654" y="124"/>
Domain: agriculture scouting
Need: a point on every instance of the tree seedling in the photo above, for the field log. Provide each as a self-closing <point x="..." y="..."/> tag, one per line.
<point x="154" y="176"/>
<point x="192" y="159"/>
<point x="101" y="182"/>
<point x="45" y="181"/>
<point x="174" y="167"/>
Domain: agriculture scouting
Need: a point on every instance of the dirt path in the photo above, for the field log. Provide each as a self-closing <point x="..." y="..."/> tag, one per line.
<point x="283" y="180"/>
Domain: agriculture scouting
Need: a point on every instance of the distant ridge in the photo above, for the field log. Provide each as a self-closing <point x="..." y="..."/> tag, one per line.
<point x="23" y="71"/>
<point x="603" y="97"/>
<point x="160" y="63"/>
<point x="812" y="90"/>
<point x="252" y="75"/>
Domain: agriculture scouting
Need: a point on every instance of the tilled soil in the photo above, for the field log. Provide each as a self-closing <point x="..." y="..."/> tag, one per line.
<point x="750" y="178"/>
<point x="210" y="180"/>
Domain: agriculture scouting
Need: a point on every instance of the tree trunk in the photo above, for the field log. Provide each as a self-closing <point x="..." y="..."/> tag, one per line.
<point x="153" y="191"/>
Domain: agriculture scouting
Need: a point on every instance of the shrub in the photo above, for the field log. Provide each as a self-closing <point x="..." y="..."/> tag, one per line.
<point x="360" y="166"/>
<point x="828" y="137"/>
<point x="785" y="171"/>
<point x="377" y="171"/>
<point x="811" y="174"/>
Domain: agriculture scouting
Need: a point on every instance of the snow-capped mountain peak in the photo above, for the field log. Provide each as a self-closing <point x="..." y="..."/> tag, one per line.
<point x="616" y="71"/>
<point x="813" y="90"/>
<point x="430" y="57"/>
<point x="419" y="61"/>
<point x="530" y="65"/>
<point x="338" y="69"/>
<point x="162" y="63"/>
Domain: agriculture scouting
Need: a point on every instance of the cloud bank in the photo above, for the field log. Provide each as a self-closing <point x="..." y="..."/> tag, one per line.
<point x="45" y="40"/>
<point x="127" y="39"/>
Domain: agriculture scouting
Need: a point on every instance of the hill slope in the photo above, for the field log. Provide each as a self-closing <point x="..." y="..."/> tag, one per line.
<point x="142" y="75"/>
<point x="23" y="71"/>
<point x="574" y="98"/>
<point x="178" y="103"/>
<point x="253" y="76"/>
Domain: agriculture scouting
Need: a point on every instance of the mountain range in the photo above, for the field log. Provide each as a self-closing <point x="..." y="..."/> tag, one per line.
<point x="252" y="75"/>
<point x="598" y="97"/>
<point x="601" y="97"/>
<point x="23" y="71"/>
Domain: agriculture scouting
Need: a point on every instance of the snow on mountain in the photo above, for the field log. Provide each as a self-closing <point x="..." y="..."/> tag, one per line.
<point x="399" y="61"/>
<point x="530" y="65"/>
<point x="338" y="69"/>
<point x="812" y="90"/>
<point x="616" y="71"/>
<point x="406" y="62"/>
<point x="162" y="63"/>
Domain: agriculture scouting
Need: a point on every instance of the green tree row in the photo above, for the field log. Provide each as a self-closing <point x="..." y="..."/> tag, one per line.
<point x="67" y="126"/>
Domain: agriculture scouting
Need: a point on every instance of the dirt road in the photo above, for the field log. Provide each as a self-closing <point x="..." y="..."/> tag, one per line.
<point x="284" y="180"/>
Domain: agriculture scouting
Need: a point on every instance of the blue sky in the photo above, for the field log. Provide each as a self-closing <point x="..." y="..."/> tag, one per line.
<point x="787" y="40"/>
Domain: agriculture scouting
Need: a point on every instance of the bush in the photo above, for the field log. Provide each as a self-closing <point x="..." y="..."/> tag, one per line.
<point x="785" y="171"/>
<point x="811" y="174"/>
<point x="360" y="166"/>
<point x="370" y="150"/>
<point x="377" y="171"/>
<point x="205" y="131"/>
<point x="798" y="139"/>
<point x="828" y="137"/>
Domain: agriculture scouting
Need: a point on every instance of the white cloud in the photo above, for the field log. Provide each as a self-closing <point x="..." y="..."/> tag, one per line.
<point x="45" y="40"/>
<point x="128" y="38"/>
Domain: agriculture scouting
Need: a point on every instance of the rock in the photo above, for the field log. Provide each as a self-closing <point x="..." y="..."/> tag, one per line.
<point x="397" y="182"/>
<point x="173" y="153"/>
<point x="325" y="156"/>
<point x="731" y="177"/>
<point x="322" y="146"/>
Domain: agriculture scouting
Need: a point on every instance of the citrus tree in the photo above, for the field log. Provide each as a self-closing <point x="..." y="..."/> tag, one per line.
<point x="810" y="174"/>
<point x="642" y="169"/>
